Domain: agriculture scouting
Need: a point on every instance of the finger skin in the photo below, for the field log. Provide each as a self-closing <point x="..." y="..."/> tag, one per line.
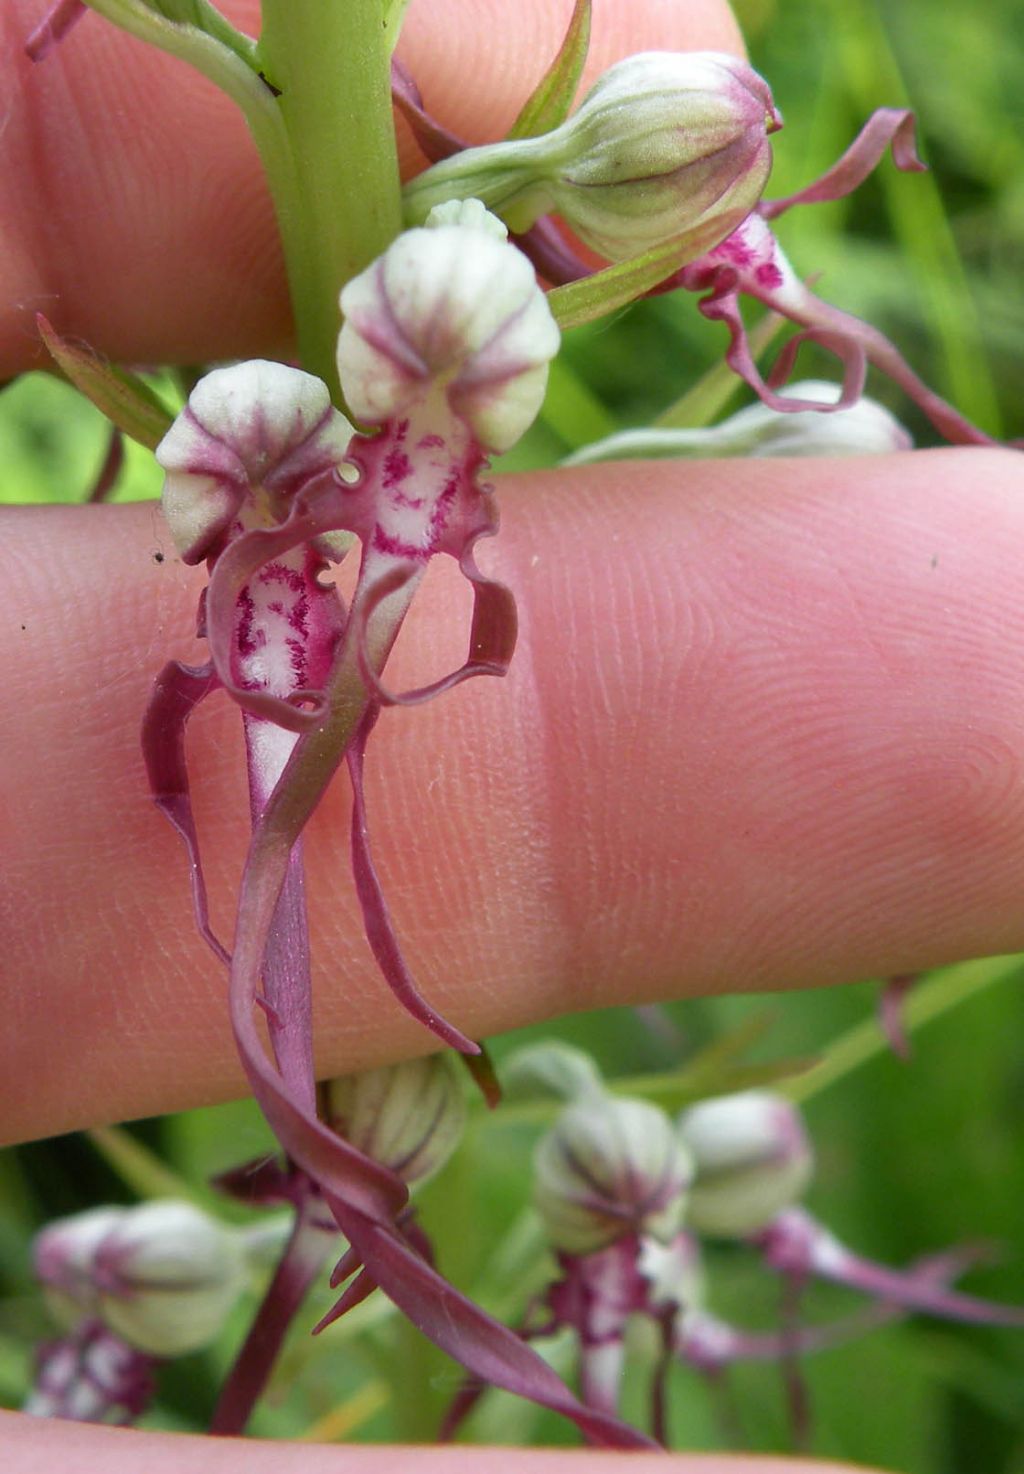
<point x="34" y="1447"/>
<point x="765" y="728"/>
<point x="129" y="187"/>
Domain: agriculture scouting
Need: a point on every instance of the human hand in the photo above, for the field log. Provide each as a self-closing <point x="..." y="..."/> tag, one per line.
<point x="778" y="738"/>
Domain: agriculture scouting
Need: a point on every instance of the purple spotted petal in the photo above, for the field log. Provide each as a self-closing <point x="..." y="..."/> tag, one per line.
<point x="492" y="636"/>
<point x="320" y="509"/>
<point x="750" y="261"/>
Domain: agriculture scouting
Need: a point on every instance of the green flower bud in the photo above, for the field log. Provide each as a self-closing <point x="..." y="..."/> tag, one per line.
<point x="169" y="1275"/>
<point x="62" y="1259"/>
<point x="162" y="1276"/>
<point x="409" y="1117"/>
<point x="666" y="145"/>
<point x="753" y="1160"/>
<point x="609" y="1168"/>
<point x="551" y="1069"/>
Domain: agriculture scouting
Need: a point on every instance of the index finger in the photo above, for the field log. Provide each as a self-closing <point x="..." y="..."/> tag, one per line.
<point x="765" y="728"/>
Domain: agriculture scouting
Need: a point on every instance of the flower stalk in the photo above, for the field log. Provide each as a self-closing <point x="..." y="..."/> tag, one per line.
<point x="330" y="66"/>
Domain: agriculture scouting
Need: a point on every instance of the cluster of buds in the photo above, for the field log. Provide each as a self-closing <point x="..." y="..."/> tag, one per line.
<point x="627" y="1196"/>
<point x="666" y="146"/>
<point x="443" y="359"/>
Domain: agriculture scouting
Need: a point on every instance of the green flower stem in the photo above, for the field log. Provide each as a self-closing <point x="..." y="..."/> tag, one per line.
<point x="336" y="191"/>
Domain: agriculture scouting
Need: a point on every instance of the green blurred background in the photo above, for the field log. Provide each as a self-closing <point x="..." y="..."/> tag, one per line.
<point x="912" y="1157"/>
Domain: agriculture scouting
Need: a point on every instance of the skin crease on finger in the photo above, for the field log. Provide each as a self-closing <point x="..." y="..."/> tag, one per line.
<point x="765" y="728"/>
<point x="128" y="184"/>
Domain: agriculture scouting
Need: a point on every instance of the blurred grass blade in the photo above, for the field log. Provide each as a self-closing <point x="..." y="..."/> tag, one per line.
<point x="342" y="1421"/>
<point x="550" y="101"/>
<point x="572" y="409"/>
<point x="139" y="1168"/>
<point x="918" y="214"/>
<point x="121" y="396"/>
<point x="674" y="1091"/>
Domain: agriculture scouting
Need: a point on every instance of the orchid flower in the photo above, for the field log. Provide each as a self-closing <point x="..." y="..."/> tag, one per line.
<point x="751" y="262"/>
<point x="443" y="357"/>
<point x="134" y="1287"/>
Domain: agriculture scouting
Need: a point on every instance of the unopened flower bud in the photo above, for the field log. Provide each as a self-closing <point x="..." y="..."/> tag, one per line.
<point x="451" y="309"/>
<point x="551" y="1068"/>
<point x="169" y="1275"/>
<point x="257" y="430"/>
<point x="609" y="1168"/>
<point x="409" y="1117"/>
<point x="62" y="1259"/>
<point x="753" y="1159"/>
<point x="163" y="1276"/>
<point x="666" y="145"/>
<point x="865" y="428"/>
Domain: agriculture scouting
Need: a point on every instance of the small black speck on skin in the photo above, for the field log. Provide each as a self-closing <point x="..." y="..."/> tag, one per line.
<point x="24" y="626"/>
<point x="158" y="557"/>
